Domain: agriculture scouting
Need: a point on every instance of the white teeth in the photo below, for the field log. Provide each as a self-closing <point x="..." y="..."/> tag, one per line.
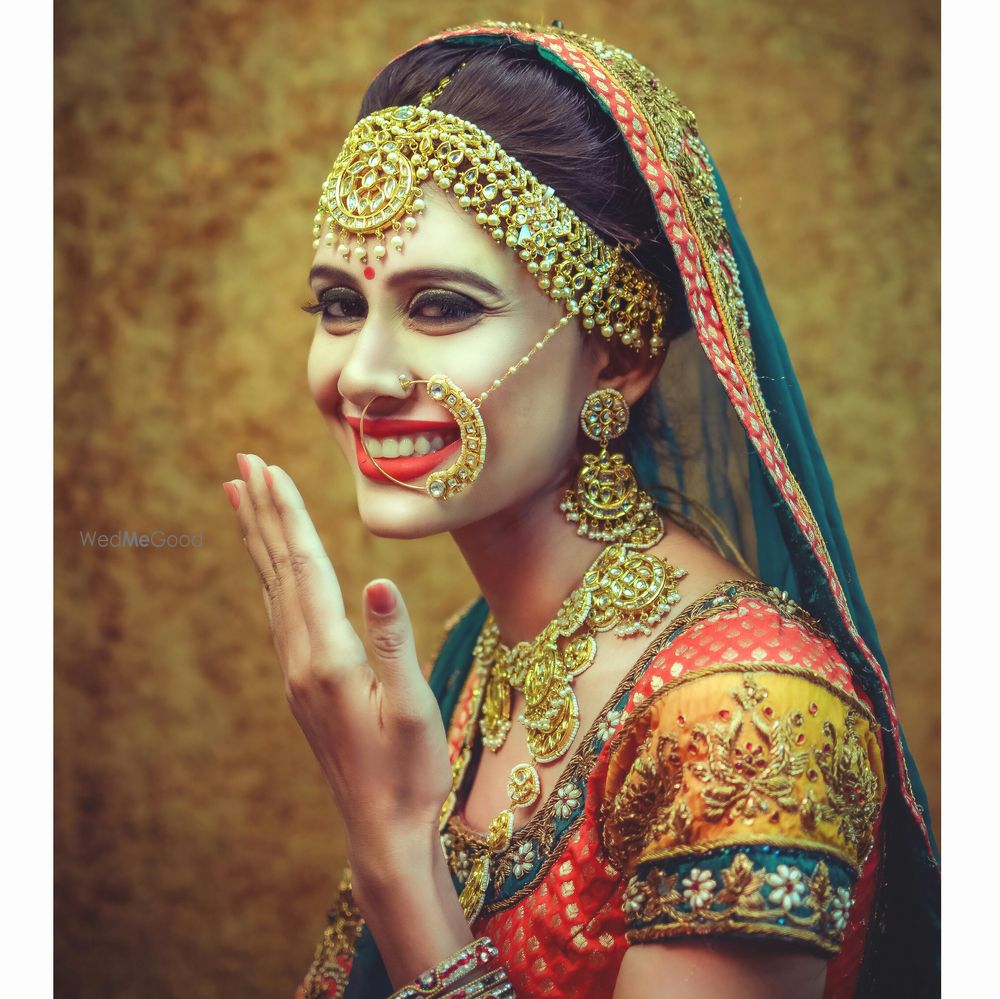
<point x="404" y="447"/>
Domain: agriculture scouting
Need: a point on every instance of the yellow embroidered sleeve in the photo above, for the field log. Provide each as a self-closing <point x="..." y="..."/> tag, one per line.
<point x="743" y="799"/>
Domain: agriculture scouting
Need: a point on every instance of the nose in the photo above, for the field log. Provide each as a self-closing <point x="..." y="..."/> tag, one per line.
<point x="373" y="370"/>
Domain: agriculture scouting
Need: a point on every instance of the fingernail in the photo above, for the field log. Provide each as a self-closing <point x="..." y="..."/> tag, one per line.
<point x="241" y="460"/>
<point x="267" y="477"/>
<point x="381" y="596"/>
<point x="233" y="493"/>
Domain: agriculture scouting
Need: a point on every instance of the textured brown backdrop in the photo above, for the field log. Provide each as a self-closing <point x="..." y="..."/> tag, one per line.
<point x="197" y="844"/>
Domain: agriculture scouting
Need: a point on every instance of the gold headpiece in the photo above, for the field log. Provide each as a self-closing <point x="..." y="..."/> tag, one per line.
<point x="374" y="188"/>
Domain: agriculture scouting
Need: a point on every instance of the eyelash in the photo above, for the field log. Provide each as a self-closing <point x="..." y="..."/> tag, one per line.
<point x="449" y="302"/>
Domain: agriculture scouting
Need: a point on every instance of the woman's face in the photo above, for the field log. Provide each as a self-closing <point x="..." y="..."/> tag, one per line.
<point x="453" y="302"/>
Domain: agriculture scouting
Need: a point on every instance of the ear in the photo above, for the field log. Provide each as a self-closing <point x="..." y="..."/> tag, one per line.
<point x="630" y="371"/>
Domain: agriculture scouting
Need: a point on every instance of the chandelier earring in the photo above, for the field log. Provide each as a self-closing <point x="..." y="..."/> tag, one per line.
<point x="607" y="503"/>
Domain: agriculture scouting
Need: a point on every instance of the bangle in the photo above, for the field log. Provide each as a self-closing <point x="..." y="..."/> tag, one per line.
<point x="430" y="983"/>
<point x="492" y="985"/>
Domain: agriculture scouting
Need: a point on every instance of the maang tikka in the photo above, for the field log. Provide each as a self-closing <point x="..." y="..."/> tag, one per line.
<point x="373" y="191"/>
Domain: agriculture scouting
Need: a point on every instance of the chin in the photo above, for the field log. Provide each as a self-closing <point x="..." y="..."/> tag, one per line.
<point x="389" y="511"/>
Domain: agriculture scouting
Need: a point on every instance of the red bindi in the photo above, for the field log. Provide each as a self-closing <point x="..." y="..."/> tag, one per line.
<point x="370" y="273"/>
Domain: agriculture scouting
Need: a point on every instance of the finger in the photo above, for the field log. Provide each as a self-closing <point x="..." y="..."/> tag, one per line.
<point x="266" y="544"/>
<point x="252" y="542"/>
<point x="320" y="596"/>
<point x="390" y="636"/>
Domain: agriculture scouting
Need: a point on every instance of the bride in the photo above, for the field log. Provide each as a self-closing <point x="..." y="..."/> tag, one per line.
<point x="659" y="755"/>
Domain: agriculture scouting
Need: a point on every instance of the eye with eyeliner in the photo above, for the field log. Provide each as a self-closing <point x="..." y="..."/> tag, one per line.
<point x="429" y="306"/>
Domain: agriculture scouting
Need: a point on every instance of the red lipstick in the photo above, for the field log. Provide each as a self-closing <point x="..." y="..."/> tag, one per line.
<point x="414" y="466"/>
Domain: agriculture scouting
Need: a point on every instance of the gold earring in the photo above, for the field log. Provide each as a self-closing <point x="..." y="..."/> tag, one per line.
<point x="607" y="504"/>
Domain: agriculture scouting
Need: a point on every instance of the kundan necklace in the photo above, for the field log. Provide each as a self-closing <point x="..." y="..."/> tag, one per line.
<point x="626" y="590"/>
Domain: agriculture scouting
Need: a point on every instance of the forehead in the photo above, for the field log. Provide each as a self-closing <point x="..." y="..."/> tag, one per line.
<point x="445" y="236"/>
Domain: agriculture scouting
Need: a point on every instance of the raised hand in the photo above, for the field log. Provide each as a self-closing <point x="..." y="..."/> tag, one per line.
<point x="374" y="726"/>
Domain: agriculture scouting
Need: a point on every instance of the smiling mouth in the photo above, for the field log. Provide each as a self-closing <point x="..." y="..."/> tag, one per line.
<point x="406" y="449"/>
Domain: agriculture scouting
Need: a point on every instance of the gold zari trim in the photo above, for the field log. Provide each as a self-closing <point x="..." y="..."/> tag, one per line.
<point x="331" y="963"/>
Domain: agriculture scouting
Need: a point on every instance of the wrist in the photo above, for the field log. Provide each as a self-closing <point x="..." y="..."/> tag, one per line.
<point x="404" y="891"/>
<point x="380" y="863"/>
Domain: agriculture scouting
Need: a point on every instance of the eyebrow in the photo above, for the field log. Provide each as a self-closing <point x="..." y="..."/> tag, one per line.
<point x="458" y="274"/>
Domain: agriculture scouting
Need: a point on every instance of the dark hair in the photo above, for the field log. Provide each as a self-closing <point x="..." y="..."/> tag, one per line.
<point x="549" y="121"/>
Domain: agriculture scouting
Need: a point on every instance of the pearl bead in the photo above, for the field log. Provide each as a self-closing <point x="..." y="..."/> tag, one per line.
<point x="344" y="250"/>
<point x="379" y="251"/>
<point x="409" y="222"/>
<point x="396" y="242"/>
<point x="360" y="252"/>
<point x="418" y="204"/>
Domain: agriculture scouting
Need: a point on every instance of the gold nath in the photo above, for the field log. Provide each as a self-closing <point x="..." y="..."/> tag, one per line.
<point x="374" y="190"/>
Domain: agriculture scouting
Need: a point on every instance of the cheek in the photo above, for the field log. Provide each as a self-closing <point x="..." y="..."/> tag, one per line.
<point x="532" y="426"/>
<point x="324" y="365"/>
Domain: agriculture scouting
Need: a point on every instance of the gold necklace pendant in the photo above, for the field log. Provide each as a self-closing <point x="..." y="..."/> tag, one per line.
<point x="625" y="590"/>
<point x="631" y="590"/>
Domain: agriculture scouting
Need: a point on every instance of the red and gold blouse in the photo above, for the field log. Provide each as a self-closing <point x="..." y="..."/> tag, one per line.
<point x="732" y="784"/>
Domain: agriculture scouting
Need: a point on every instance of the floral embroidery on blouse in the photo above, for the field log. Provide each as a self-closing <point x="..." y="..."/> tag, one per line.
<point x="567" y="800"/>
<point x="746" y="892"/>
<point x="742" y="798"/>
<point x="608" y="724"/>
